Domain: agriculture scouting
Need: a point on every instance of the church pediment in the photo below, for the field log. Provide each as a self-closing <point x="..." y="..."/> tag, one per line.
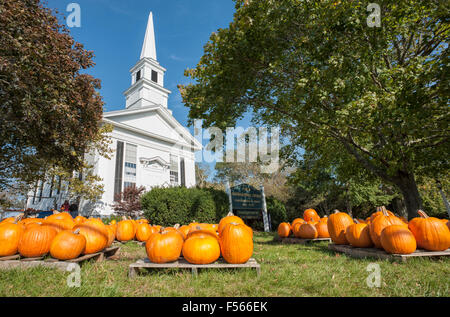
<point x="155" y="163"/>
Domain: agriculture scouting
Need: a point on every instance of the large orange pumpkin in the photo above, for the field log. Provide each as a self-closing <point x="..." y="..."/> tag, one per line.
<point x="96" y="234"/>
<point x="36" y="241"/>
<point x="236" y="243"/>
<point x="126" y="231"/>
<point x="284" y="230"/>
<point x="67" y="245"/>
<point x="337" y="225"/>
<point x="10" y="234"/>
<point x="397" y="239"/>
<point x="379" y="223"/>
<point x="430" y="233"/>
<point x="201" y="249"/>
<point x="164" y="247"/>
<point x="358" y="235"/>
<point x="311" y="215"/>
<point x="230" y="218"/>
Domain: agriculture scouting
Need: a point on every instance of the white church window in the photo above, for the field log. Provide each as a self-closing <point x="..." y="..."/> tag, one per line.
<point x="173" y="169"/>
<point x="130" y="165"/>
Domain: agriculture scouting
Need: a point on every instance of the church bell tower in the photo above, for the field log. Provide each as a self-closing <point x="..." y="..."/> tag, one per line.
<point x="147" y="76"/>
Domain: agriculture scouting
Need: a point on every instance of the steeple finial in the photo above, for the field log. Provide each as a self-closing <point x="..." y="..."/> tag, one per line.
<point x="149" y="47"/>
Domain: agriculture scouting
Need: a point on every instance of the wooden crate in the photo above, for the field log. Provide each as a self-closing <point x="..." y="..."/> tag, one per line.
<point x="293" y="240"/>
<point x="134" y="268"/>
<point x="17" y="262"/>
<point x="381" y="254"/>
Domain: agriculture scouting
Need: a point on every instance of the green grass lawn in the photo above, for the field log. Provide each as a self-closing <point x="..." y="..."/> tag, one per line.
<point x="286" y="270"/>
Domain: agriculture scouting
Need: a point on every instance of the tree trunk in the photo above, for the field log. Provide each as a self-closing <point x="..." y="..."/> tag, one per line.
<point x="407" y="185"/>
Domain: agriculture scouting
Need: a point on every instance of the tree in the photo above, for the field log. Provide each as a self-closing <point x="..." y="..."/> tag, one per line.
<point x="334" y="85"/>
<point x="128" y="202"/>
<point x="50" y="110"/>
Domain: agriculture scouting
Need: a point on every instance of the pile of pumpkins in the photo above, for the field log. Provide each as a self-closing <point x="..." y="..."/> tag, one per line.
<point x="382" y="230"/>
<point x="62" y="236"/>
<point x="198" y="243"/>
<point x="311" y="226"/>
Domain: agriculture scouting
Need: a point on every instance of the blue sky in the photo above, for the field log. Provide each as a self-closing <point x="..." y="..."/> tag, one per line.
<point x="115" y="29"/>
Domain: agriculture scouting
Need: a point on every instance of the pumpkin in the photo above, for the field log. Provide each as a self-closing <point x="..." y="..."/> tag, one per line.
<point x="79" y="219"/>
<point x="230" y="218"/>
<point x="236" y="243"/>
<point x="284" y="230"/>
<point x="201" y="249"/>
<point x="184" y="230"/>
<point x="126" y="230"/>
<point x="337" y="225"/>
<point x="430" y="233"/>
<point x="60" y="216"/>
<point x="324" y="219"/>
<point x="307" y="231"/>
<point x="322" y="230"/>
<point x="10" y="234"/>
<point x="164" y="247"/>
<point x="28" y="221"/>
<point x="380" y="211"/>
<point x="296" y="227"/>
<point x="310" y="215"/>
<point x="397" y="239"/>
<point x="358" y="235"/>
<point x="111" y="235"/>
<point x="68" y="245"/>
<point x="96" y="234"/>
<point x="59" y="223"/>
<point x="143" y="231"/>
<point x="113" y="222"/>
<point x="298" y="220"/>
<point x="379" y="223"/>
<point x="199" y="232"/>
<point x="36" y="241"/>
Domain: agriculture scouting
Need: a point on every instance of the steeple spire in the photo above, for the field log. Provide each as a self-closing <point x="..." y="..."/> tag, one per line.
<point x="149" y="47"/>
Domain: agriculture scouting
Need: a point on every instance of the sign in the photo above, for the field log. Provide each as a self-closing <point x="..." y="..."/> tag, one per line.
<point x="246" y="197"/>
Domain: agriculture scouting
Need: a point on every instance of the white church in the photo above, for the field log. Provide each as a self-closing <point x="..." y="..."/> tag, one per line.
<point x="150" y="147"/>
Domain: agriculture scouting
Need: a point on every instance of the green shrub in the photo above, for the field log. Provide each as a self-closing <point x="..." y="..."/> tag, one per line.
<point x="169" y="206"/>
<point x="277" y="212"/>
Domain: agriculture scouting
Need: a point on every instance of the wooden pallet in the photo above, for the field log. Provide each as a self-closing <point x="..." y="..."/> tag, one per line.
<point x="381" y="254"/>
<point x="17" y="262"/>
<point x="293" y="240"/>
<point x="135" y="268"/>
<point x="125" y="242"/>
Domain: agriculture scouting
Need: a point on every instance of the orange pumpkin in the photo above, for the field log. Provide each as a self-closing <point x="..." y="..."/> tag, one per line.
<point x="126" y="231"/>
<point x="36" y="241"/>
<point x="296" y="227"/>
<point x="230" y="218"/>
<point x="79" y="219"/>
<point x="284" y="230"/>
<point x="311" y="215"/>
<point x="164" y="247"/>
<point x="143" y="231"/>
<point x="201" y="249"/>
<point x="380" y="211"/>
<point x="337" y="225"/>
<point x="236" y="243"/>
<point x="184" y="230"/>
<point x="297" y="220"/>
<point x="397" y="239"/>
<point x="67" y="245"/>
<point x="430" y="233"/>
<point x="322" y="230"/>
<point x="10" y="234"/>
<point x="59" y="223"/>
<point x="307" y="231"/>
<point x="379" y="223"/>
<point x="358" y="235"/>
<point x="111" y="235"/>
<point x="96" y="234"/>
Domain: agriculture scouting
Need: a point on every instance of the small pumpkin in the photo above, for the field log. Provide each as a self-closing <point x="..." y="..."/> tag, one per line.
<point x="380" y="222"/>
<point x="143" y="231"/>
<point x="431" y="233"/>
<point x="201" y="249"/>
<point x="230" y="218"/>
<point x="164" y="247"/>
<point x="68" y="245"/>
<point x="126" y="231"/>
<point x="96" y="234"/>
<point x="297" y="220"/>
<point x="337" y="225"/>
<point x="307" y="231"/>
<point x="284" y="230"/>
<point x="311" y="215"/>
<point x="236" y="243"/>
<point x="358" y="235"/>
<point x="10" y="234"/>
<point x="184" y="230"/>
<point x="397" y="239"/>
<point x="322" y="229"/>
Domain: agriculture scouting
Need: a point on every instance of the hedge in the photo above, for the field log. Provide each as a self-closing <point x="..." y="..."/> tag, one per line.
<point x="169" y="206"/>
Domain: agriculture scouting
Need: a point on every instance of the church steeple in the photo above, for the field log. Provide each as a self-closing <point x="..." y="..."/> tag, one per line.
<point x="149" y="46"/>
<point x="147" y="76"/>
